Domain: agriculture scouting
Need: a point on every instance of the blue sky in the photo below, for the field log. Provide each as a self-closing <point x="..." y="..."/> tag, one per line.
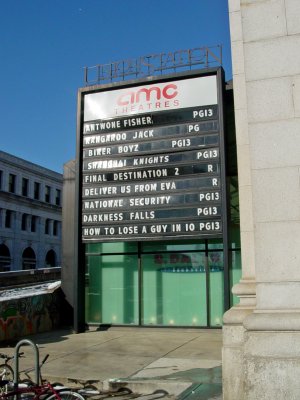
<point x="45" y="44"/>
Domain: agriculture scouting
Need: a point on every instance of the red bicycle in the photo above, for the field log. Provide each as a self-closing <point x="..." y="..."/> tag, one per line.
<point x="27" y="389"/>
<point x="43" y="391"/>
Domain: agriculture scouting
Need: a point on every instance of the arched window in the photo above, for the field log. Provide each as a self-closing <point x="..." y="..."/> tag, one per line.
<point x="28" y="259"/>
<point x="50" y="259"/>
<point x="5" y="259"/>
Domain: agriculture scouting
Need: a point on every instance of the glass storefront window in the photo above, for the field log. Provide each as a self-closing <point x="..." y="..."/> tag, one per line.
<point x="174" y="289"/>
<point x="112" y="289"/>
<point x="177" y="284"/>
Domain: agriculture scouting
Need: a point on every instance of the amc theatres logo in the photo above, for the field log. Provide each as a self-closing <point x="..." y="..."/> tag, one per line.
<point x="158" y="97"/>
<point x="147" y="94"/>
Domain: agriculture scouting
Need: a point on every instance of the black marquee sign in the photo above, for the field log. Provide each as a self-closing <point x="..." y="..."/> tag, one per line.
<point x="151" y="159"/>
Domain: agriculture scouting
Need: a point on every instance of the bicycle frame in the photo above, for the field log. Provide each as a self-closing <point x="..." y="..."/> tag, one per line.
<point x="36" y="390"/>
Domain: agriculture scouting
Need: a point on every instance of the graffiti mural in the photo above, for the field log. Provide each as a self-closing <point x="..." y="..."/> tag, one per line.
<point x="29" y="315"/>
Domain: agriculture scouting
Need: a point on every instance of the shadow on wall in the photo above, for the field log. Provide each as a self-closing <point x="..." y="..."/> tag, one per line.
<point x="30" y="315"/>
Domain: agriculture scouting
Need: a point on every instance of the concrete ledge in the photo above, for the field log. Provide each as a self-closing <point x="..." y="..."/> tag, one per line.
<point x="273" y="321"/>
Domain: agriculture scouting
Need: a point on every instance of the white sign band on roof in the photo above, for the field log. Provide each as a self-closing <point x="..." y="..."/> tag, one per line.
<point x="155" y="97"/>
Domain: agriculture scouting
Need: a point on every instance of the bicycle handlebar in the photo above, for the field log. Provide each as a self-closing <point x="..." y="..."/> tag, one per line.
<point x="6" y="357"/>
<point x="45" y="359"/>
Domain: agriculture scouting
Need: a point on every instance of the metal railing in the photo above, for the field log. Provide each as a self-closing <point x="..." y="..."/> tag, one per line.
<point x="154" y="64"/>
<point x="31" y="276"/>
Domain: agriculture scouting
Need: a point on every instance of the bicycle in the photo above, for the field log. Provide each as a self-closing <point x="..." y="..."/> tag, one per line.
<point x="6" y="371"/>
<point x="44" y="391"/>
<point x="27" y="389"/>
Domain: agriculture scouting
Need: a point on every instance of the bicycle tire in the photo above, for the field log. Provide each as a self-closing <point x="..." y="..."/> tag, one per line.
<point x="9" y="373"/>
<point x="65" y="394"/>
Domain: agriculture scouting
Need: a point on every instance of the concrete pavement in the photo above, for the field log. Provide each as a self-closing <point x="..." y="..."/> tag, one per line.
<point x="184" y="362"/>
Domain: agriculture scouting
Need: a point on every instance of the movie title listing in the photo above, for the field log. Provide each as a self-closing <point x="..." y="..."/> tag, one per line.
<point x="153" y="146"/>
<point x="155" y="173"/>
<point x="158" y="214"/>
<point x="153" y="133"/>
<point x="118" y="124"/>
<point x="153" y="119"/>
<point x="157" y="160"/>
<point x="155" y="200"/>
<point x="186" y="184"/>
<point x="205" y="228"/>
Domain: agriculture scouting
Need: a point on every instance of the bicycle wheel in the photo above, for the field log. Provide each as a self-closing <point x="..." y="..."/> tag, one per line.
<point x="65" y="395"/>
<point x="6" y="372"/>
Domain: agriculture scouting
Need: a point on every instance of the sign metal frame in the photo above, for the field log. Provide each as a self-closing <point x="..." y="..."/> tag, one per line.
<point x="79" y="198"/>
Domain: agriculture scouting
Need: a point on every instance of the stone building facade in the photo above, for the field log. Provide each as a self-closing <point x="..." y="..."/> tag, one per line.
<point x="261" y="350"/>
<point x="30" y="215"/>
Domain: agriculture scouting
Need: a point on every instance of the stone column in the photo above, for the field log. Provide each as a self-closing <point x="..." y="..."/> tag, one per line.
<point x="233" y="329"/>
<point x="269" y="54"/>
